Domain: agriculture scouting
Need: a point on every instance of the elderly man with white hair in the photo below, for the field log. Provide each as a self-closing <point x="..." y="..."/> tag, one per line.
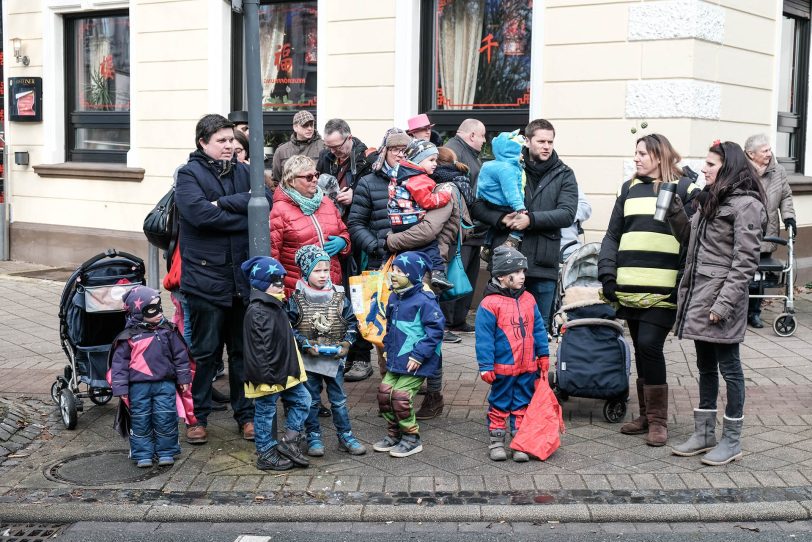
<point x="779" y="198"/>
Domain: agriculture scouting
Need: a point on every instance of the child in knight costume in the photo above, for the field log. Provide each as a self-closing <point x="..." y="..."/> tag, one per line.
<point x="324" y="326"/>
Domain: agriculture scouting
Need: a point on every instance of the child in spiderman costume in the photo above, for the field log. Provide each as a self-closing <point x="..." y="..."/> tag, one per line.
<point x="511" y="348"/>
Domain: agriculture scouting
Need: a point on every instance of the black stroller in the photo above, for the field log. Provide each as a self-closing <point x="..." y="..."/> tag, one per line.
<point x="91" y="314"/>
<point x="593" y="358"/>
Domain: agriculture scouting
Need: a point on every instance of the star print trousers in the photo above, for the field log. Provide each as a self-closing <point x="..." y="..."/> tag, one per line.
<point x="396" y="402"/>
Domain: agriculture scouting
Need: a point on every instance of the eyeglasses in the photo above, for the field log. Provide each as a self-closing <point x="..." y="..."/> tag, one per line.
<point x="310" y="177"/>
<point x="397" y="150"/>
<point x="336" y="147"/>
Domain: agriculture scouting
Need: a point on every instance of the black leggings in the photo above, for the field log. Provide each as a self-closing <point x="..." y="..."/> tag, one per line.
<point x="649" y="359"/>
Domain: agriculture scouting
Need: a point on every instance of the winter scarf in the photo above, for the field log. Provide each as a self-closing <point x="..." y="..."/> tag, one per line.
<point x="307" y="205"/>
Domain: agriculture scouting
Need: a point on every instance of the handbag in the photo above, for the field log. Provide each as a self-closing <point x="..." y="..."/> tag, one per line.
<point x="456" y="271"/>
<point x="161" y="223"/>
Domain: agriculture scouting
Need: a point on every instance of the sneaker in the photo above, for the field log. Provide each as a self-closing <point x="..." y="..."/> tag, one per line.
<point x="324" y="412"/>
<point x="348" y="443"/>
<point x="465" y="328"/>
<point x="290" y="449"/>
<point x="197" y="434"/>
<point x="486" y="254"/>
<point x="440" y="281"/>
<point x="247" y="430"/>
<point x="144" y="463"/>
<point x="386" y="443"/>
<point x="166" y="461"/>
<point x="361" y="370"/>
<point x="451" y="337"/>
<point x="272" y="460"/>
<point x="408" y="445"/>
<point x="315" y="447"/>
<point x="219" y="371"/>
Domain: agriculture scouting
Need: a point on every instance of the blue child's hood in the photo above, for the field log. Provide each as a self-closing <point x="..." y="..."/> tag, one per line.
<point x="507" y="147"/>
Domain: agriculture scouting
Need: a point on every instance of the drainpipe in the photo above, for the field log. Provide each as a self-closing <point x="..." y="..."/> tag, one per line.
<point x="4" y="207"/>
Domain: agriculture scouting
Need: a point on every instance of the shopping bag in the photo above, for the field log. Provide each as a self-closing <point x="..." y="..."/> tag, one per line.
<point x="540" y="432"/>
<point x="369" y="293"/>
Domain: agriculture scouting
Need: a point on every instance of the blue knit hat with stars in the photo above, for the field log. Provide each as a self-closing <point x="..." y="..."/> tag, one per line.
<point x="262" y="271"/>
<point x="414" y="264"/>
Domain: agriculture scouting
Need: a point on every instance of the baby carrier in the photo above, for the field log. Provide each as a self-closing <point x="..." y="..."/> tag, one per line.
<point x="593" y="358"/>
<point x="91" y="314"/>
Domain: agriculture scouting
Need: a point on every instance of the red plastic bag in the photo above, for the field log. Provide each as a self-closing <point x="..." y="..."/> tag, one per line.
<point x="540" y="432"/>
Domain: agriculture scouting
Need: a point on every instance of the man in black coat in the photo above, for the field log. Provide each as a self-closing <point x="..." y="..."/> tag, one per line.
<point x="551" y="198"/>
<point x="212" y="194"/>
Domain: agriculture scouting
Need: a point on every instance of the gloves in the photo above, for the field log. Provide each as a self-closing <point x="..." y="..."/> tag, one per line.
<point x="609" y="289"/>
<point x="334" y="245"/>
<point x="543" y="363"/>
<point x="790" y="223"/>
<point x="487" y="376"/>
<point x="344" y="349"/>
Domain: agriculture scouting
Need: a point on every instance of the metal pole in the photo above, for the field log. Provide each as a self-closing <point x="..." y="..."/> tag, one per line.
<point x="4" y="238"/>
<point x="153" y="268"/>
<point x="259" y="235"/>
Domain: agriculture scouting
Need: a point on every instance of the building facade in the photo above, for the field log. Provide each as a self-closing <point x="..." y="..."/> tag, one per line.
<point x="104" y="110"/>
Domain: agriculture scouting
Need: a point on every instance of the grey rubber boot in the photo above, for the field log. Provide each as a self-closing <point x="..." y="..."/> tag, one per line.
<point x="729" y="448"/>
<point x="497" y="447"/>
<point x="518" y="456"/>
<point x="704" y="436"/>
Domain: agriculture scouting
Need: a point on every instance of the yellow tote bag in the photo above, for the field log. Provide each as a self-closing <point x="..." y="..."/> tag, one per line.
<point x="369" y="293"/>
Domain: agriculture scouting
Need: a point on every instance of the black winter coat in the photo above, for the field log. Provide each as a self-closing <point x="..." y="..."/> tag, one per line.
<point x="214" y="237"/>
<point x="368" y="220"/>
<point x="270" y="348"/>
<point x="551" y="202"/>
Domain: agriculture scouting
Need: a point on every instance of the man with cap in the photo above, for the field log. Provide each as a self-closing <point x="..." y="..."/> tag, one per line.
<point x="511" y="348"/>
<point x="420" y="127"/>
<point x="304" y="140"/>
<point x="240" y="121"/>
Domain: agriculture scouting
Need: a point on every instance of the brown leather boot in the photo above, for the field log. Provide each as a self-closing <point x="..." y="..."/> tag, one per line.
<point x="431" y="407"/>
<point x="657" y="414"/>
<point x="639" y="425"/>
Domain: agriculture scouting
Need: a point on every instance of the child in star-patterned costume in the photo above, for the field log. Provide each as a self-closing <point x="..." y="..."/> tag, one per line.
<point x="414" y="335"/>
<point x="147" y="360"/>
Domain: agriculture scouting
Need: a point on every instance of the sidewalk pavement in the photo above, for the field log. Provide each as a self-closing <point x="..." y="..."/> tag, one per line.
<point x="51" y="474"/>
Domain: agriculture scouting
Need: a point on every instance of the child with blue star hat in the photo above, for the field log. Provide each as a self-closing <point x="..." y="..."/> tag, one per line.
<point x="273" y="367"/>
<point x="414" y="335"/>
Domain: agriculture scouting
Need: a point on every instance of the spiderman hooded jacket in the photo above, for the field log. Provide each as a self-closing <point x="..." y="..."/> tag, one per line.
<point x="509" y="332"/>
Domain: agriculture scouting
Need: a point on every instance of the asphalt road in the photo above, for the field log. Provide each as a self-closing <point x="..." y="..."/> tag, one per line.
<point x="437" y="532"/>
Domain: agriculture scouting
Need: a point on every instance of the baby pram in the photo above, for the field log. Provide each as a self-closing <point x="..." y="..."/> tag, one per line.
<point x="593" y="358"/>
<point x="91" y="314"/>
<point x="772" y="274"/>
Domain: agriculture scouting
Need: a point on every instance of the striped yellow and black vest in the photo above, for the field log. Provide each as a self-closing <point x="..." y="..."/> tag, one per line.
<point x="648" y="257"/>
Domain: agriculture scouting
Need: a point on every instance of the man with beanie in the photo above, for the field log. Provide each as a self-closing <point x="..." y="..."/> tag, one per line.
<point x="511" y="348"/>
<point x="368" y="223"/>
<point x="273" y="367"/>
<point x="412" y="194"/>
<point x="414" y="336"/>
<point x="304" y="140"/>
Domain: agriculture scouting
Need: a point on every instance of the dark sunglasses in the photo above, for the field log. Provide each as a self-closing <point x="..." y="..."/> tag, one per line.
<point x="310" y="177"/>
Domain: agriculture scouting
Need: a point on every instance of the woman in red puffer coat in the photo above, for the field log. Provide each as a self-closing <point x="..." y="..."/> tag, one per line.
<point x="302" y="215"/>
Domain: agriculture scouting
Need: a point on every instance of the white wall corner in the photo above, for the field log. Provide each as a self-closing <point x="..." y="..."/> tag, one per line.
<point x="53" y="90"/>
<point x="670" y="98"/>
<point x="407" y="60"/>
<point x="219" y="58"/>
<point x="133" y="155"/>
<point x="537" y="60"/>
<point x="322" y="101"/>
<point x="673" y="19"/>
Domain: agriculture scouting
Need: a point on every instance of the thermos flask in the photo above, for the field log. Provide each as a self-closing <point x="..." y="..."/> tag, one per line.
<point x="667" y="191"/>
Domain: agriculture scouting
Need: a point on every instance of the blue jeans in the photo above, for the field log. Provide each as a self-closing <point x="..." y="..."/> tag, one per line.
<point x="187" y="320"/>
<point x="297" y="399"/>
<point x="715" y="358"/>
<point x="544" y="292"/>
<point x="338" y="401"/>
<point x="154" y="429"/>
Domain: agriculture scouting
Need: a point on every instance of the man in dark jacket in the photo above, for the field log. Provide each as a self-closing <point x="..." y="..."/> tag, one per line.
<point x="212" y="195"/>
<point x="551" y="198"/>
<point x="304" y="140"/>
<point x="467" y="145"/>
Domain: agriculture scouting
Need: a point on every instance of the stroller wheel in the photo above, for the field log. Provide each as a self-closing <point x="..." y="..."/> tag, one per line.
<point x="67" y="408"/>
<point x="56" y="390"/>
<point x="100" y="396"/>
<point x="785" y="325"/>
<point x="614" y="410"/>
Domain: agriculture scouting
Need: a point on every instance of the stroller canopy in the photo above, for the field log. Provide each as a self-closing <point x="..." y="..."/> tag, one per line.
<point x="581" y="268"/>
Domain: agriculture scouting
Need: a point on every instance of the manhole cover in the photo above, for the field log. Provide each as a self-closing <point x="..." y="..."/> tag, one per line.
<point x="29" y="532"/>
<point x="100" y="468"/>
<point x="58" y="274"/>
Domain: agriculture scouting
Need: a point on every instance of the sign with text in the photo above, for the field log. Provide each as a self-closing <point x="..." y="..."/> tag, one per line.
<point x="25" y="99"/>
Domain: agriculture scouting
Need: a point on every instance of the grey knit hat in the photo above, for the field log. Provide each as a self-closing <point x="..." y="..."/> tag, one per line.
<point x="506" y="260"/>
<point x="394" y="137"/>
<point x="418" y="150"/>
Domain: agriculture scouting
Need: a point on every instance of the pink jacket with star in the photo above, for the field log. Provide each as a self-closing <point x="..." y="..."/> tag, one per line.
<point x="146" y="353"/>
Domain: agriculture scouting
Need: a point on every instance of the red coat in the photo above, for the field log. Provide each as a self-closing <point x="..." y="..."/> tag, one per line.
<point x="291" y="230"/>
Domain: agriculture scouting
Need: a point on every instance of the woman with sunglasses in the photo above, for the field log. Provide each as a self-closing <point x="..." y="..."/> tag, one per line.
<point x="724" y="239"/>
<point x="301" y="215"/>
<point x="638" y="267"/>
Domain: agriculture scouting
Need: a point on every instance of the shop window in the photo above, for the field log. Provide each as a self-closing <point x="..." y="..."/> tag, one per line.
<point x="288" y="47"/>
<point x="475" y="61"/>
<point x="97" y="52"/>
<point x="792" y="87"/>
